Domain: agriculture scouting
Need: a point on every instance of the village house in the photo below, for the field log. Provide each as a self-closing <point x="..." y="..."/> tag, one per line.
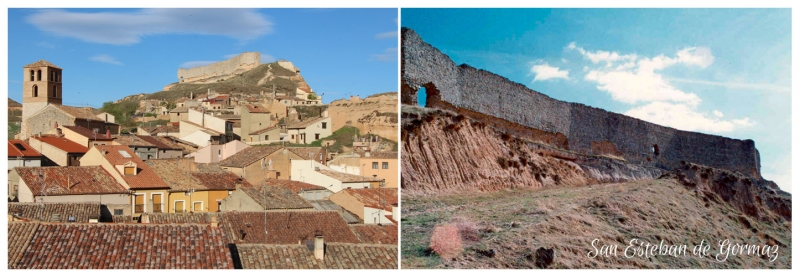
<point x="58" y="151"/>
<point x="258" y="163"/>
<point x="374" y="206"/>
<point x="284" y="227"/>
<point x="220" y="102"/>
<point x="263" y="198"/>
<point x="179" y="114"/>
<point x="217" y="152"/>
<point x="194" y="191"/>
<point x="258" y="125"/>
<point x="148" y="193"/>
<point x="382" y="165"/>
<point x="160" y="131"/>
<point x="318" y="174"/>
<point x="309" y="130"/>
<point x="85" y="137"/>
<point x="106" y="117"/>
<point x="143" y="149"/>
<point x="73" y="184"/>
<point x="165" y="147"/>
<point x="123" y="246"/>
<point x="203" y="128"/>
<point x="22" y="154"/>
<point x="305" y="190"/>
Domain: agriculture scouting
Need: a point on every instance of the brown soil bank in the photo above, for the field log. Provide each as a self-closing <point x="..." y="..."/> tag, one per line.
<point x="519" y="228"/>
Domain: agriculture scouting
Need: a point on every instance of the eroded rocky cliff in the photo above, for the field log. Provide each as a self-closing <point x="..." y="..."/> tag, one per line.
<point x="376" y="114"/>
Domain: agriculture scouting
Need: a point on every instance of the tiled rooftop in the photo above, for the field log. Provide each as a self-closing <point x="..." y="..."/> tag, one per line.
<point x="63" y="144"/>
<point x="164" y="129"/>
<point x="126" y="246"/>
<point x="145" y="178"/>
<point x="346" y="177"/>
<point x="18" y="148"/>
<point x="180" y="218"/>
<point x="19" y="236"/>
<point x="204" y="129"/>
<point x="160" y="142"/>
<point x="170" y="173"/>
<point x="308" y="153"/>
<point x="42" y="63"/>
<point x="69" y="180"/>
<point x="83" y="131"/>
<point x="272" y="197"/>
<point x="78" y="112"/>
<point x="256" y="108"/>
<point x="284" y="227"/>
<point x="337" y="256"/>
<point x="374" y="233"/>
<point x="294" y="186"/>
<point x="131" y="140"/>
<point x="264" y="130"/>
<point x="220" y="180"/>
<point x="372" y="197"/>
<point x="45" y="211"/>
<point x="248" y="156"/>
<point x="183" y="109"/>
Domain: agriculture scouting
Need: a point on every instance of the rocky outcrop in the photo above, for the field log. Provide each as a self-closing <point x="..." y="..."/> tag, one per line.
<point x="448" y="152"/>
<point x="756" y="197"/>
<point x="376" y="114"/>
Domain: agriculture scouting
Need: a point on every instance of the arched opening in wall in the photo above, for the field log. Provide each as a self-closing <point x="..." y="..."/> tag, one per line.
<point x="38" y="75"/>
<point x="35" y="91"/>
<point x="654" y="149"/>
<point x="422" y="96"/>
<point x="32" y="75"/>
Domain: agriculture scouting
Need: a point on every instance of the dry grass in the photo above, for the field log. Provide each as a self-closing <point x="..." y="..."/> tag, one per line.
<point x="511" y="225"/>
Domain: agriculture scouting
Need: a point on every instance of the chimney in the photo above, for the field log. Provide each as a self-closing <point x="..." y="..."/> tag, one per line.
<point x="108" y="133"/>
<point x="366" y="153"/>
<point x="319" y="246"/>
<point x="214" y="222"/>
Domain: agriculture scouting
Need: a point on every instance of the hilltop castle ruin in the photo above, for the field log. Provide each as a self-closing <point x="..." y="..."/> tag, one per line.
<point x="573" y="126"/>
<point x="212" y="72"/>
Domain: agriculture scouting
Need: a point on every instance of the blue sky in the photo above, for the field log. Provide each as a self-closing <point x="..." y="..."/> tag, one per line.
<point x="717" y="71"/>
<point x="107" y="54"/>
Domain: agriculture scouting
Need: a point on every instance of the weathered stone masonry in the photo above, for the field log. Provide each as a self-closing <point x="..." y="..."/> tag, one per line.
<point x="240" y="63"/>
<point x="464" y="87"/>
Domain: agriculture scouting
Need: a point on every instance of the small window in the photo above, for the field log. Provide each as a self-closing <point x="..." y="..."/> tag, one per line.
<point x="129" y="170"/>
<point x="316" y="136"/>
<point x="375" y="165"/>
<point x="385" y="165"/>
<point x="32" y="75"/>
<point x="117" y="211"/>
<point x="324" y="125"/>
<point x="292" y="136"/>
<point x="38" y="75"/>
<point x="266" y="137"/>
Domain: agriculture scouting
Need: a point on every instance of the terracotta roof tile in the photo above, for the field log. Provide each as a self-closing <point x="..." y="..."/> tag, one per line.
<point x="308" y="153"/>
<point x="144" y="179"/>
<point x="285" y="227"/>
<point x="42" y="63"/>
<point x="180" y="218"/>
<point x="220" y="180"/>
<point x="83" y="131"/>
<point x="174" y="176"/>
<point x="248" y="156"/>
<point x="78" y="112"/>
<point x="131" y="140"/>
<point x="127" y="246"/>
<point x="256" y="108"/>
<point x="160" y="142"/>
<point x="45" y="211"/>
<point x="183" y="109"/>
<point x="69" y="180"/>
<point x="294" y="186"/>
<point x="18" y="148"/>
<point x="272" y="197"/>
<point x="374" y="198"/>
<point x="163" y="129"/>
<point x="19" y="236"/>
<point x="346" y="177"/>
<point x="337" y="256"/>
<point x="204" y="129"/>
<point x="63" y="144"/>
<point x="374" y="233"/>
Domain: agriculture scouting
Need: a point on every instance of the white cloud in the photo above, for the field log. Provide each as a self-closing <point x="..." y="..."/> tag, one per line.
<point x="104" y="58"/>
<point x="735" y="85"/>
<point x="718" y="113"/>
<point x="684" y="117"/>
<point x="546" y="72"/>
<point x="123" y="28"/>
<point x="601" y="56"/>
<point x="392" y="34"/>
<point x="389" y="55"/>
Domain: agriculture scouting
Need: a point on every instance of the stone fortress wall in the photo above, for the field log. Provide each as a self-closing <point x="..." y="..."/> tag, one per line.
<point x="586" y="128"/>
<point x="240" y="63"/>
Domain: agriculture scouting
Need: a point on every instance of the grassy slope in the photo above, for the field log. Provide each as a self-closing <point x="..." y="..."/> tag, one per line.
<point x="515" y="223"/>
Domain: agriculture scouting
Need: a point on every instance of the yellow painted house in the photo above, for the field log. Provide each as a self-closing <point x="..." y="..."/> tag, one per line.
<point x="194" y="191"/>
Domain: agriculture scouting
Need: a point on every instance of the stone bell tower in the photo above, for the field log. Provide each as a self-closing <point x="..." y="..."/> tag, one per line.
<point x="41" y="85"/>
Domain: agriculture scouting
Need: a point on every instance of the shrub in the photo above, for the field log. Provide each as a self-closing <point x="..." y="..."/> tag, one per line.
<point x="446" y="241"/>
